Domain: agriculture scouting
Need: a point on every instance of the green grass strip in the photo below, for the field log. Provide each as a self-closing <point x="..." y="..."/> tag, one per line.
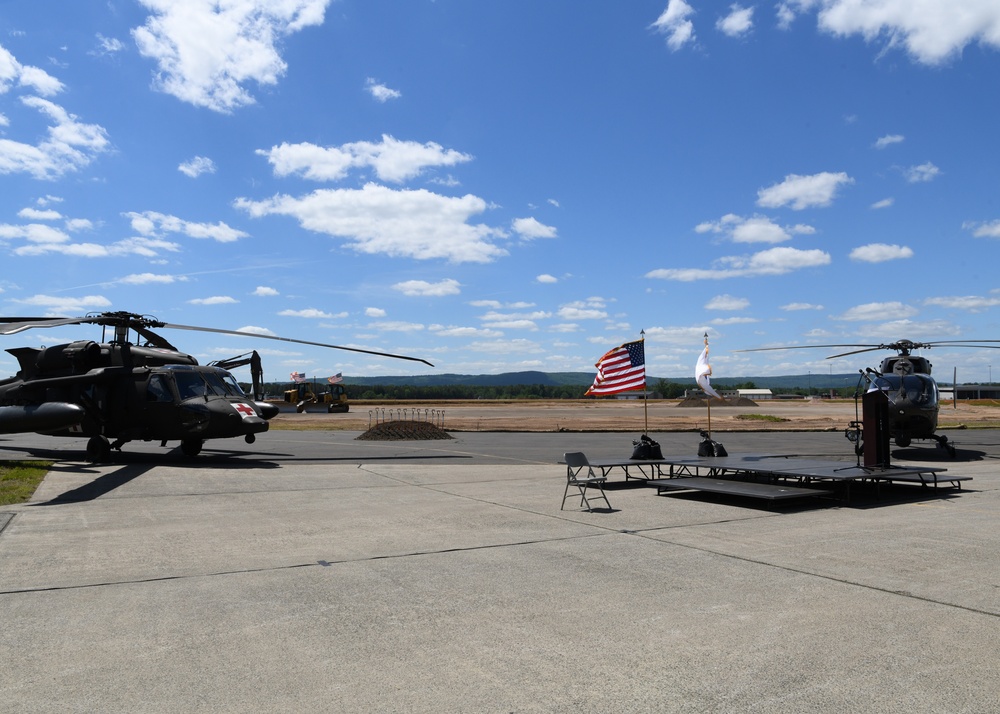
<point x="19" y="479"/>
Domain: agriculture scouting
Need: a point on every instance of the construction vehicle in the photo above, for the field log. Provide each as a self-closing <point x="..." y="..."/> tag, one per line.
<point x="303" y="394"/>
<point x="256" y="370"/>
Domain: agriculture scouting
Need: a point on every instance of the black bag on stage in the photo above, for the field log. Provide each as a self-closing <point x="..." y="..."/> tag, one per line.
<point x="645" y="449"/>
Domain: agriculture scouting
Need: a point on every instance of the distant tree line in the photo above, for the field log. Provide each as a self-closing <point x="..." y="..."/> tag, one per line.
<point x="660" y="389"/>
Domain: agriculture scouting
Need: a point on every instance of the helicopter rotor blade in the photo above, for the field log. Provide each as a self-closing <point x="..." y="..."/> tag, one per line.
<point x="300" y="342"/>
<point x="807" y="347"/>
<point x="13" y="325"/>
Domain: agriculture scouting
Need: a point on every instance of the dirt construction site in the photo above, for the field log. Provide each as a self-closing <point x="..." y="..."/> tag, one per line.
<point x="622" y="415"/>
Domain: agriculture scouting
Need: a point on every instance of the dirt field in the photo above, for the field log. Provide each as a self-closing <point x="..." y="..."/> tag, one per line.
<point x="613" y="415"/>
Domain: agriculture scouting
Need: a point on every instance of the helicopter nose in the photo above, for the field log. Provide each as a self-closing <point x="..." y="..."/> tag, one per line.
<point x="267" y="410"/>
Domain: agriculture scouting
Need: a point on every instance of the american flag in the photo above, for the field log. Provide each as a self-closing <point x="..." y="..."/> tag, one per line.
<point x="621" y="370"/>
<point x="336" y="379"/>
<point x="296" y="377"/>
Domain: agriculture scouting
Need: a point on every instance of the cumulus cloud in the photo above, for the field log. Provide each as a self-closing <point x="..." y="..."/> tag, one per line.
<point x="888" y="140"/>
<point x="529" y="228"/>
<point x="375" y="312"/>
<point x="264" y="291"/>
<point x="214" y="300"/>
<point x="878" y="311"/>
<point x="546" y="279"/>
<point x="931" y="31"/>
<point x="400" y="223"/>
<point x="737" y="23"/>
<point x="727" y="302"/>
<point x="922" y="173"/>
<point x="150" y="279"/>
<point x="197" y="166"/>
<point x="15" y="74"/>
<point x="70" y="144"/>
<point x="756" y="229"/>
<point x="422" y="288"/>
<point x="983" y="230"/>
<point x="380" y="92"/>
<point x="392" y="160"/>
<point x="675" y="23"/>
<point x="63" y="305"/>
<point x="207" y="52"/>
<point x="309" y="312"/>
<point x="796" y="306"/>
<point x="880" y="252"/>
<point x="972" y="303"/>
<point x="151" y="223"/>
<point x="799" y="192"/>
<point x="884" y="203"/>
<point x="774" y="261"/>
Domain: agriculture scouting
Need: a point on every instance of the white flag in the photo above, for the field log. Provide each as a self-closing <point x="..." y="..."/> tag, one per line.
<point x="702" y="371"/>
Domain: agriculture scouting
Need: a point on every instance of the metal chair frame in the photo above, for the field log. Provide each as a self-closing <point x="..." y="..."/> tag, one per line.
<point x="581" y="474"/>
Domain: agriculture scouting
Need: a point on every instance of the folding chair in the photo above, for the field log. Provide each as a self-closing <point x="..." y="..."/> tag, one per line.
<point x="581" y="474"/>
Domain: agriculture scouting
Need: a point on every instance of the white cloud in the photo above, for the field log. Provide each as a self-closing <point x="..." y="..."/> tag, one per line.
<point x="546" y="279"/>
<point x="734" y="320"/>
<point x="15" y="74"/>
<point x="392" y="160"/>
<point x="206" y="52"/>
<point x="756" y="229"/>
<point x="397" y="326"/>
<point x="264" y="291"/>
<point x="380" y="92"/>
<point x="379" y="220"/>
<point x="34" y="214"/>
<point x="796" y="306"/>
<point x="150" y="279"/>
<point x="972" y="303"/>
<point x="197" y="166"/>
<point x="151" y="223"/>
<point x="254" y="330"/>
<point x="529" y="228"/>
<point x="878" y="311"/>
<point x="674" y="22"/>
<point x="455" y="331"/>
<point x="884" y="203"/>
<point x="309" y="312"/>
<point x="727" y="302"/>
<point x="932" y="31"/>
<point x="214" y="300"/>
<point x="375" y="312"/>
<point x="737" y="23"/>
<point x="888" y="140"/>
<point x="880" y="252"/>
<point x="422" y="288"/>
<point x="70" y="146"/>
<point x="62" y="305"/>
<point x="983" y="230"/>
<point x="922" y="173"/>
<point x="108" y="45"/>
<point x="801" y="192"/>
<point x="773" y="261"/>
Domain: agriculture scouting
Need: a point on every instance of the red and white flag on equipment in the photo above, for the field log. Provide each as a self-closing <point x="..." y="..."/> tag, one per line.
<point x="621" y="370"/>
<point x="336" y="379"/>
<point x="702" y="372"/>
<point x="296" y="377"/>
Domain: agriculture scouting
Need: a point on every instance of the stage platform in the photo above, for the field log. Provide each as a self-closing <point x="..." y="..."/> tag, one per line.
<point x="812" y="477"/>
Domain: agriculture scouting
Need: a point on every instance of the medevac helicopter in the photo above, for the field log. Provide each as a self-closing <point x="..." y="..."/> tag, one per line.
<point x="123" y="391"/>
<point x="912" y="394"/>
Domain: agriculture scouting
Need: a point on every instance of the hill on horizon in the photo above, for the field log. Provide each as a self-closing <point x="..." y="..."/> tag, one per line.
<point x="585" y="379"/>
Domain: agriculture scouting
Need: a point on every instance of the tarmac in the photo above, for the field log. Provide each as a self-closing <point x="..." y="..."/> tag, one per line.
<point x="313" y="572"/>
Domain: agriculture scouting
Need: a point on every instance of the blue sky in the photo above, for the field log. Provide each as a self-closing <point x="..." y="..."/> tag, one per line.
<point x="501" y="186"/>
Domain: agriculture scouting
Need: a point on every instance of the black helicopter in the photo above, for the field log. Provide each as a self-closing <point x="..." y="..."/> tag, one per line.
<point x="905" y="379"/>
<point x="118" y="391"/>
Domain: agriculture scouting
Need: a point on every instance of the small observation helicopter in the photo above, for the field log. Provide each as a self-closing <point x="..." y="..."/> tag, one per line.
<point x="905" y="379"/>
<point x="123" y="391"/>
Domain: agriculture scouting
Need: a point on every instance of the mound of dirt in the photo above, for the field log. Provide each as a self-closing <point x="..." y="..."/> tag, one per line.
<point x="404" y="431"/>
<point x="699" y="402"/>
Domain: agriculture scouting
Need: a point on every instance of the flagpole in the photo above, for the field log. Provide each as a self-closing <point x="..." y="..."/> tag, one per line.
<point x="708" y="397"/>
<point x="645" y="395"/>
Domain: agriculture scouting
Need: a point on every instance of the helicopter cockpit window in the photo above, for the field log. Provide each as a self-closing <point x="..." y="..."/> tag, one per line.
<point x="232" y="386"/>
<point x="157" y="389"/>
<point x="190" y="385"/>
<point x="215" y="384"/>
<point x="922" y="391"/>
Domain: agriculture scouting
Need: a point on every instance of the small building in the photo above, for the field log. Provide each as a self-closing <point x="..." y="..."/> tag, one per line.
<point x="969" y="391"/>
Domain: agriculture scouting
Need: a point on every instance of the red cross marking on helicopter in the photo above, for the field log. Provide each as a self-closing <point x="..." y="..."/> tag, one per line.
<point x="245" y="409"/>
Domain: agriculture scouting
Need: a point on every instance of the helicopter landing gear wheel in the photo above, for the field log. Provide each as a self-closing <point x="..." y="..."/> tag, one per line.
<point x="191" y="447"/>
<point x="98" y="449"/>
